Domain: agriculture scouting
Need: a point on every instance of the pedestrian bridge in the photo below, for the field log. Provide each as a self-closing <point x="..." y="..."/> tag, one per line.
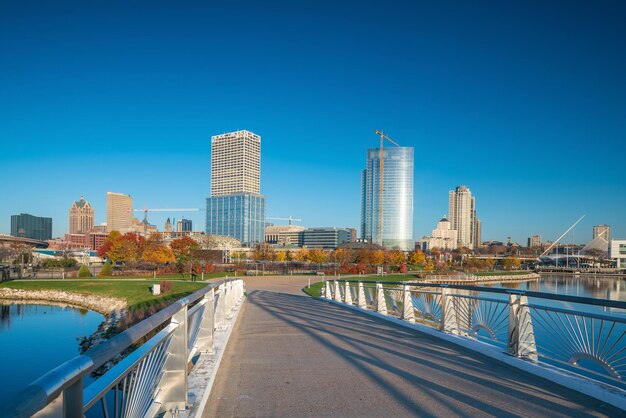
<point x="362" y="350"/>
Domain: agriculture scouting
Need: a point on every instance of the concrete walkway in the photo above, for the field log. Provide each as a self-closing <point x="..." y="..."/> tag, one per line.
<point x="291" y="355"/>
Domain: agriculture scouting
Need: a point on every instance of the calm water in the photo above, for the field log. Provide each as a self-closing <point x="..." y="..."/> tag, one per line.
<point x="612" y="288"/>
<point x="36" y="338"/>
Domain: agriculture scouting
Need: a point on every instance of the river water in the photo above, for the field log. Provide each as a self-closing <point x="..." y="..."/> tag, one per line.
<point x="36" y="338"/>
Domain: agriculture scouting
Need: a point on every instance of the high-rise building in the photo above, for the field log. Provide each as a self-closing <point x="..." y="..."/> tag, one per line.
<point x="397" y="198"/>
<point x="462" y="208"/>
<point x="81" y="217"/>
<point x="33" y="227"/>
<point x="119" y="212"/>
<point x="534" y="241"/>
<point x="478" y="231"/>
<point x="236" y="208"/>
<point x="184" y="225"/>
<point x="603" y="231"/>
<point x="235" y="163"/>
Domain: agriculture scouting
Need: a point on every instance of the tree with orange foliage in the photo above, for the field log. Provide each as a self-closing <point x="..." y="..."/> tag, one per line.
<point x="127" y="248"/>
<point x="113" y="237"/>
<point x="183" y="247"/>
<point x="378" y="257"/>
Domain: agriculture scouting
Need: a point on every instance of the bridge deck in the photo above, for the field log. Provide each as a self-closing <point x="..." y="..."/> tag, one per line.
<point x="291" y="355"/>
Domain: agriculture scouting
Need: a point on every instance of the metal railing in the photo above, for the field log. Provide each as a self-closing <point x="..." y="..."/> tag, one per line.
<point x="586" y="336"/>
<point x="150" y="380"/>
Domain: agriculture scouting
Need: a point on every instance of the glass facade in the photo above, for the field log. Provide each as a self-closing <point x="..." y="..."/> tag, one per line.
<point x="397" y="198"/>
<point x="29" y="226"/>
<point x="238" y="215"/>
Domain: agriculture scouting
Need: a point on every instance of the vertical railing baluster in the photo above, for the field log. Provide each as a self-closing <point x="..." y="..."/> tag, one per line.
<point x="207" y="324"/>
<point x="521" y="335"/>
<point x="173" y="397"/>
<point x="347" y="294"/>
<point x="381" y="304"/>
<point x="408" y="313"/>
<point x="337" y="292"/>
<point x="362" y="302"/>
<point x="449" y="322"/>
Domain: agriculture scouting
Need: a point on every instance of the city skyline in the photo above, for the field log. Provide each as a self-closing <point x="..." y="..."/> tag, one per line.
<point x="529" y="117"/>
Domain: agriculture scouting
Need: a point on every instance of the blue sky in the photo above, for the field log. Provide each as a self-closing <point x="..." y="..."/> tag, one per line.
<point x="524" y="102"/>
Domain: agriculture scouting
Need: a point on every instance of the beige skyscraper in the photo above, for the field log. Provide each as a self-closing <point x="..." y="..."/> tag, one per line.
<point x="463" y="216"/>
<point x="81" y="217"/>
<point x="603" y="231"/>
<point x="119" y="212"/>
<point x="235" y="163"/>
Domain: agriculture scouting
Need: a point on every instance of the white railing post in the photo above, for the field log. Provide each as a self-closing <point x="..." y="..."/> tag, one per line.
<point x="347" y="294"/>
<point x="220" y="305"/>
<point x="337" y="292"/>
<point x="408" y="313"/>
<point x="205" y="334"/>
<point x="521" y="335"/>
<point x="362" y="303"/>
<point x="449" y="321"/>
<point x="173" y="394"/>
<point x="381" y="304"/>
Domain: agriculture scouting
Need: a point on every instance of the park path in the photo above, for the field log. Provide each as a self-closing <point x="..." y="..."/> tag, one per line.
<point x="292" y="355"/>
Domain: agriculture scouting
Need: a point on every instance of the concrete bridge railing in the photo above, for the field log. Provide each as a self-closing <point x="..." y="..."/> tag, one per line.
<point x="585" y="336"/>
<point x="152" y="379"/>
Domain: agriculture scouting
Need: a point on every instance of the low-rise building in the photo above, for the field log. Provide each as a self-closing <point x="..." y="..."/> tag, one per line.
<point x="443" y="237"/>
<point x="284" y="235"/>
<point x="617" y="252"/>
<point x="327" y="238"/>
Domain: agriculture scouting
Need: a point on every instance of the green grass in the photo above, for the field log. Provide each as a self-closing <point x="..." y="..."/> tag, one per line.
<point x="136" y="292"/>
<point x="501" y="273"/>
<point x="316" y="288"/>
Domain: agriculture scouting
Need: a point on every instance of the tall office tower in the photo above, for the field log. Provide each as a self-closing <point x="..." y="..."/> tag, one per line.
<point x="29" y="226"/>
<point x="236" y="208"/>
<point x="478" y="230"/>
<point x="603" y="231"/>
<point x="81" y="217"/>
<point x="184" y="225"/>
<point x="119" y="212"/>
<point x="534" y="241"/>
<point x="462" y="208"/>
<point x="397" y="198"/>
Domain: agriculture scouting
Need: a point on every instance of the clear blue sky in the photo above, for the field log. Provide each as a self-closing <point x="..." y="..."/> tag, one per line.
<point x="524" y="102"/>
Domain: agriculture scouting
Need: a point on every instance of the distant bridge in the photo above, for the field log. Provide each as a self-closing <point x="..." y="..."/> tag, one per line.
<point x="21" y="240"/>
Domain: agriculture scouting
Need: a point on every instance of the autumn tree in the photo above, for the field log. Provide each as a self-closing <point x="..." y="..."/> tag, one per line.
<point x="183" y="247"/>
<point x="280" y="256"/>
<point x="263" y="251"/>
<point x="342" y="256"/>
<point x="395" y="257"/>
<point x="158" y="254"/>
<point x="511" y="262"/>
<point x="317" y="256"/>
<point x="429" y="265"/>
<point x="302" y="255"/>
<point x="378" y="257"/>
<point x="113" y="237"/>
<point x="416" y="257"/>
<point x="127" y="248"/>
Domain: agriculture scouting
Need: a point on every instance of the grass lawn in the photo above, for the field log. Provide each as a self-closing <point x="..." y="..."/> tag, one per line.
<point x="502" y="273"/>
<point x="316" y="288"/>
<point x="135" y="292"/>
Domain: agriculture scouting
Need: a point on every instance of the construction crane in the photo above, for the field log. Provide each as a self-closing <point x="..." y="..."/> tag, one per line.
<point x="146" y="210"/>
<point x="290" y="219"/>
<point x="382" y="137"/>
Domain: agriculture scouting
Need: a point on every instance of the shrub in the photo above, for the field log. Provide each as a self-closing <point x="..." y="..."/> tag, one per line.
<point x="166" y="286"/>
<point x="107" y="270"/>
<point x="84" y="271"/>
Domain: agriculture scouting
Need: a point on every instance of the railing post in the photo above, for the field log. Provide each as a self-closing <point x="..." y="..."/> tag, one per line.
<point x="326" y="290"/>
<point x="521" y="335"/>
<point x="361" y="298"/>
<point x="73" y="400"/>
<point x="381" y="304"/>
<point x="408" y="313"/>
<point x="448" y="312"/>
<point x="220" y="306"/>
<point x="347" y="294"/>
<point x="337" y="292"/>
<point x="173" y="396"/>
<point x="205" y="335"/>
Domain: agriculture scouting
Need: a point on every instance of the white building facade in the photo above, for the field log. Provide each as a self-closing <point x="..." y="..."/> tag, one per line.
<point x="443" y="237"/>
<point x="617" y="252"/>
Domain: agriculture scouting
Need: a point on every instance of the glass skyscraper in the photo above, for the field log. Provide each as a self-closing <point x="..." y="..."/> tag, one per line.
<point x="29" y="226"/>
<point x="236" y="208"/>
<point x="397" y="198"/>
